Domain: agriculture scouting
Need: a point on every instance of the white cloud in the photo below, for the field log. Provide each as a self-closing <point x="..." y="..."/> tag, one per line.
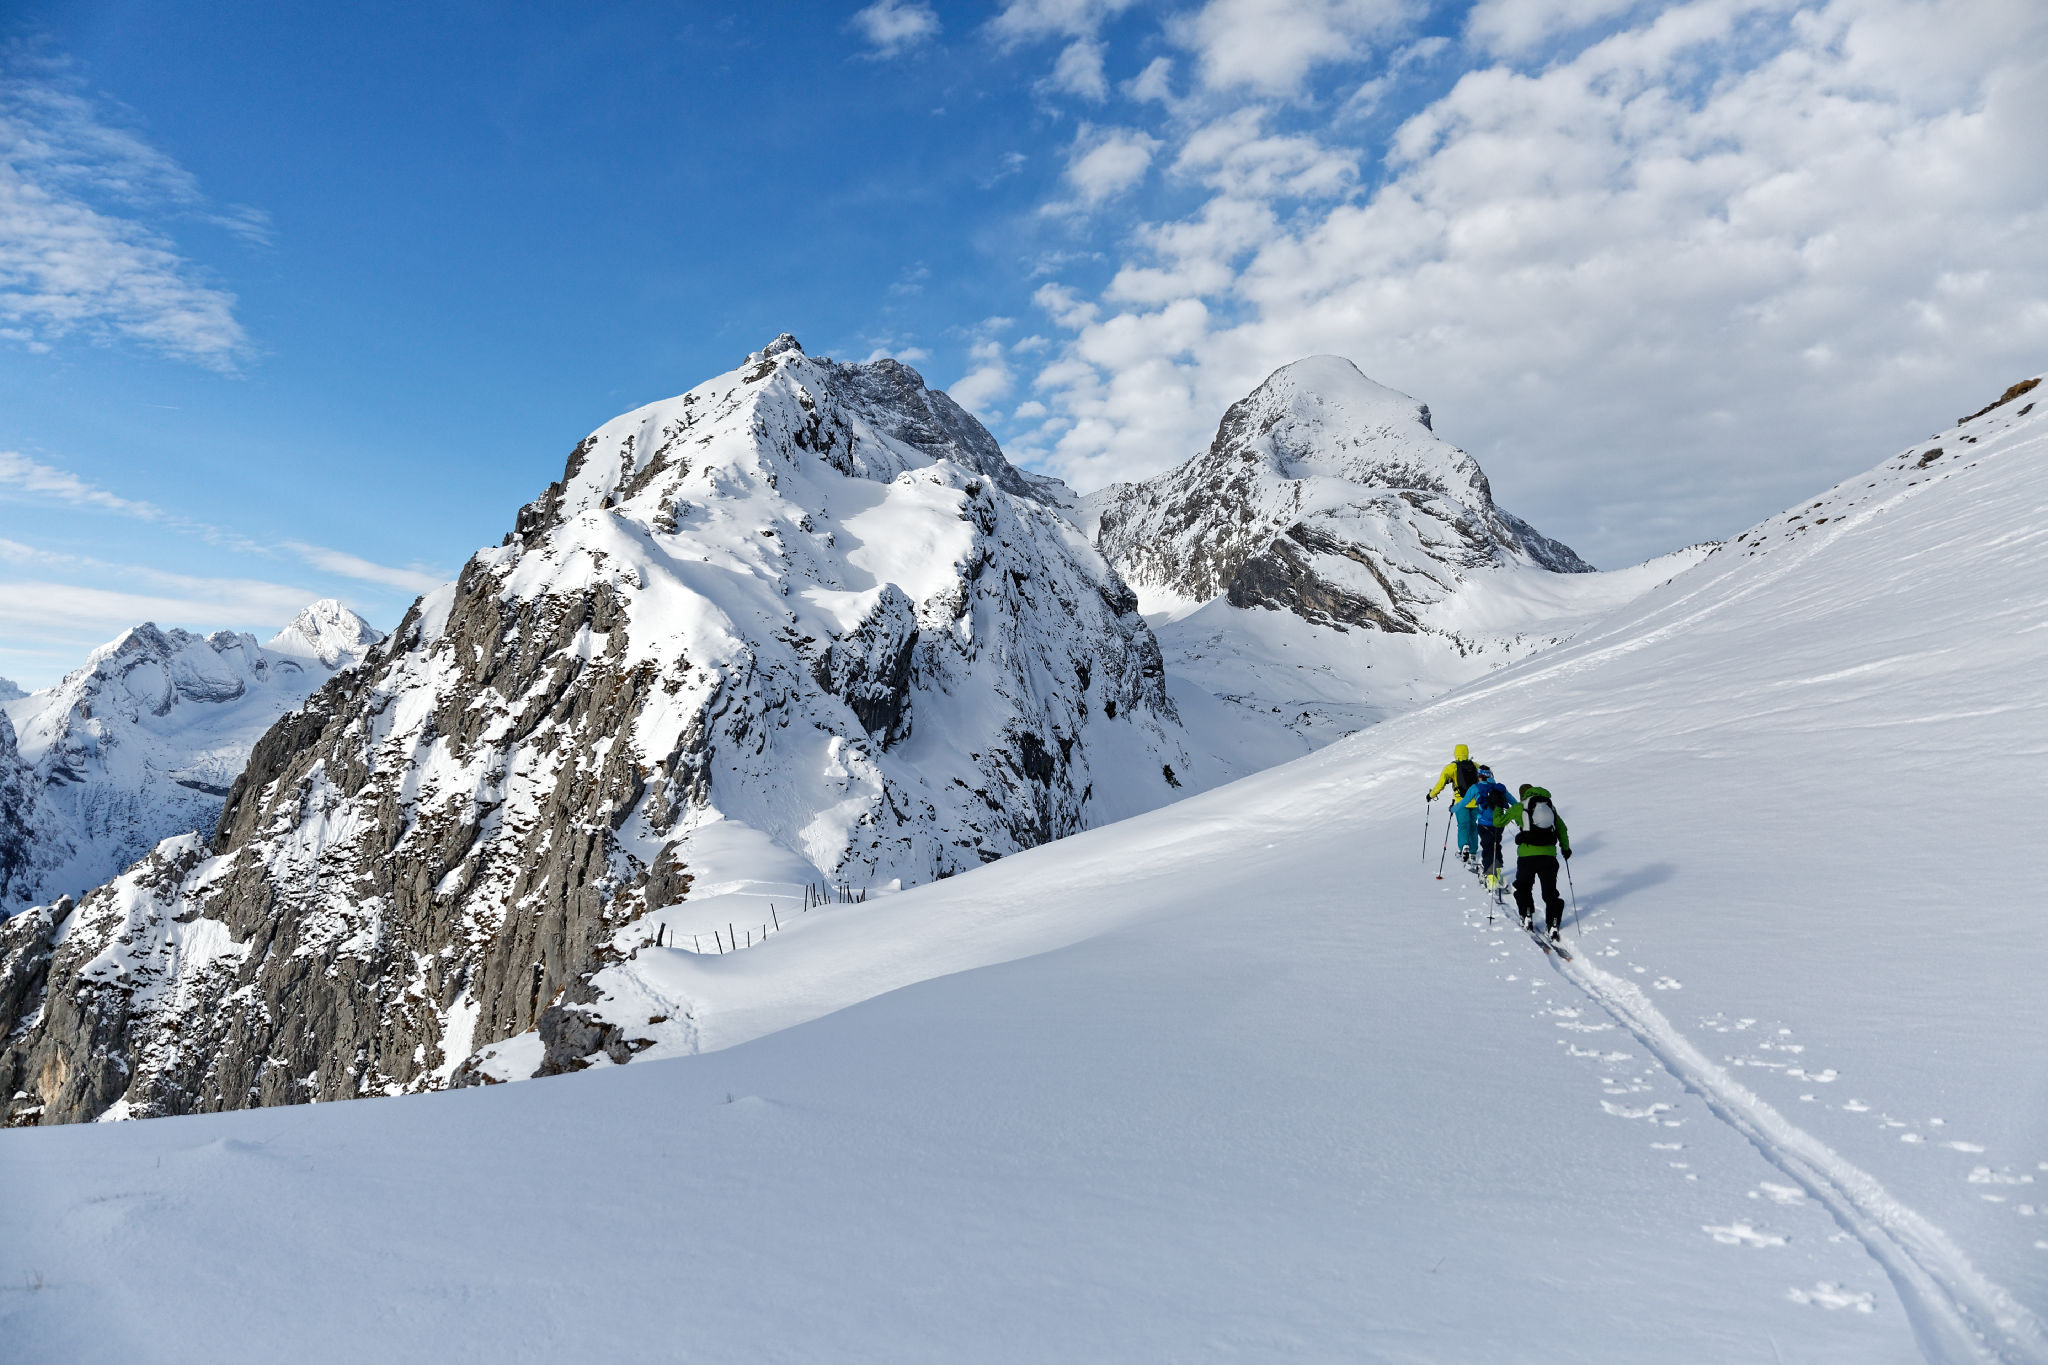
<point x="1235" y="155"/>
<point x="987" y="379"/>
<point x="1029" y="20"/>
<point x="1108" y="162"/>
<point x="1664" y="285"/>
<point x="19" y="471"/>
<point x="366" y="571"/>
<point x="1079" y="72"/>
<point x="893" y="27"/>
<point x="1513" y="27"/>
<point x="1153" y="85"/>
<point x="1271" y="46"/>
<point x="41" y="611"/>
<point x="74" y="257"/>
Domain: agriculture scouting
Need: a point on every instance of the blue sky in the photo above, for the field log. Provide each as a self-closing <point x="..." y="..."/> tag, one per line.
<point x="300" y="302"/>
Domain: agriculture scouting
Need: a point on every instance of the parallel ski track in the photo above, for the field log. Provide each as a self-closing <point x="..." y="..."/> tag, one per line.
<point x="1959" y="1317"/>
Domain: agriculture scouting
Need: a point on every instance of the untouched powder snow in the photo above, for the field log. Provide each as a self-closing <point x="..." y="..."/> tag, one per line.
<point x="1240" y="1078"/>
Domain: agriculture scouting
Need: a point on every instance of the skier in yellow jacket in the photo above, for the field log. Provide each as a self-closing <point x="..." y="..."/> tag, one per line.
<point x="1459" y="775"/>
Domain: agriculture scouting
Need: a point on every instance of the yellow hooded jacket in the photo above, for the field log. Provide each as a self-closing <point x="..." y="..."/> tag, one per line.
<point x="1450" y="773"/>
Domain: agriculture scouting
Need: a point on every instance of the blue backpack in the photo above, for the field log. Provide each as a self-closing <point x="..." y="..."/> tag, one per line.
<point x="1491" y="798"/>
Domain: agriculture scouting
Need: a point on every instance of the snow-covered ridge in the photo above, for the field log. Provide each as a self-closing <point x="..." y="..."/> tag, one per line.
<point x="145" y="738"/>
<point x="801" y="623"/>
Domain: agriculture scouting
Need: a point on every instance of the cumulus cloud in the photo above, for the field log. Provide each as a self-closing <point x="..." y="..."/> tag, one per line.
<point x="893" y="27"/>
<point x="1079" y="72"/>
<point x="1663" y="284"/>
<point x="1271" y="46"/>
<point x="1153" y="85"/>
<point x="1234" y="154"/>
<point x="1107" y="162"/>
<point x="987" y="380"/>
<point x="1513" y="27"/>
<point x="76" y="254"/>
<point x="1030" y="20"/>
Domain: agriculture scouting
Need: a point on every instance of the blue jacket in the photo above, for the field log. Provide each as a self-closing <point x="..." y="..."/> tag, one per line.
<point x="1489" y="803"/>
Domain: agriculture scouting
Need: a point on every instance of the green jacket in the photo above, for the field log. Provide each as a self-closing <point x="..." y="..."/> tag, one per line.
<point x="1537" y="843"/>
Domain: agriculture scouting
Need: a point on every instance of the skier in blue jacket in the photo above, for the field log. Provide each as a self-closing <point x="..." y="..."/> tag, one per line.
<point x="1489" y="803"/>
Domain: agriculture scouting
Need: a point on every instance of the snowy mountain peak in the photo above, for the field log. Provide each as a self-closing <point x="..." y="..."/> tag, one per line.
<point x="1322" y="416"/>
<point x="9" y="691"/>
<point x="803" y="624"/>
<point x="328" y="631"/>
<point x="145" y="739"/>
<point x="1329" y="559"/>
<point x="1318" y="462"/>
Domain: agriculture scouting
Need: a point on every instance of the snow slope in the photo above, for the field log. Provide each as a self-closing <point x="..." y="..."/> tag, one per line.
<point x="143" y="741"/>
<point x="1241" y="1078"/>
<point x="1329" y="560"/>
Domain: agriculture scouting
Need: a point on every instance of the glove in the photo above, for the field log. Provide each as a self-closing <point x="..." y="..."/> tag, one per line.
<point x="1567" y="855"/>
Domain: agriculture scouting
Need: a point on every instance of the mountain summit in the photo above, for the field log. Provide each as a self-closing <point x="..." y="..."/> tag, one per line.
<point x="802" y="624"/>
<point x="1325" y="494"/>
<point x="1329" y="560"/>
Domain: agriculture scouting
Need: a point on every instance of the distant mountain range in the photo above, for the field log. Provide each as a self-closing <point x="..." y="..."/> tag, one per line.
<point x="144" y="740"/>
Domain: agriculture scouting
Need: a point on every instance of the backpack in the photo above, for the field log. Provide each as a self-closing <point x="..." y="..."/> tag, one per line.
<point x="1542" y="816"/>
<point x="1492" y="796"/>
<point x="1464" y="773"/>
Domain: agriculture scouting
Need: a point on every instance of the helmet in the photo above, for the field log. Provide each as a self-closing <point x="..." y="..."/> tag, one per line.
<point x="1461" y="752"/>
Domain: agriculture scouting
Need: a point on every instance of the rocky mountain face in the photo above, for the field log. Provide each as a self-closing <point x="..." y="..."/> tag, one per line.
<point x="805" y="617"/>
<point x="1329" y="560"/>
<point x="144" y="740"/>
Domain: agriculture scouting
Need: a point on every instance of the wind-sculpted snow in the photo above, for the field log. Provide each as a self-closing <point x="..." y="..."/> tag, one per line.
<point x="802" y="622"/>
<point x="1329" y="560"/>
<point x="143" y="741"/>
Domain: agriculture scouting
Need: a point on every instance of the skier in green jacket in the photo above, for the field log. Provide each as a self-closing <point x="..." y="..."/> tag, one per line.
<point x="1540" y="840"/>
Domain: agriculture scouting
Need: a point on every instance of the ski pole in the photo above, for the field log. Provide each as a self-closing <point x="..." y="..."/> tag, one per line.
<point x="1577" y="923"/>
<point x="1446" y="848"/>
<point x="1428" y="809"/>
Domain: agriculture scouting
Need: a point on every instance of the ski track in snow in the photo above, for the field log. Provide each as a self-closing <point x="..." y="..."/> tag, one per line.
<point x="1959" y="1316"/>
<point x="1957" y="1313"/>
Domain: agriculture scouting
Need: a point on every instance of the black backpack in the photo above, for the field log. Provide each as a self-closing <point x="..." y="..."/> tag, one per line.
<point x="1542" y="817"/>
<point x="1464" y="774"/>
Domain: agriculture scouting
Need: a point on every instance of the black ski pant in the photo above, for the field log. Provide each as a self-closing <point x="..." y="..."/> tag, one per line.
<point x="1529" y="869"/>
<point x="1489" y="847"/>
